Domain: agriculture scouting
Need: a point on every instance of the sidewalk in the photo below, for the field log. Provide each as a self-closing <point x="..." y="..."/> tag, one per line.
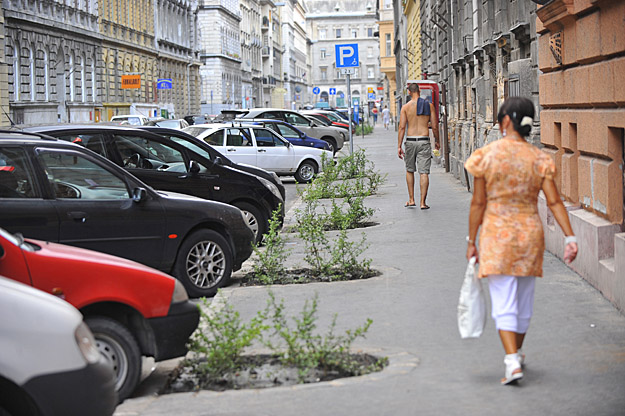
<point x="575" y="347"/>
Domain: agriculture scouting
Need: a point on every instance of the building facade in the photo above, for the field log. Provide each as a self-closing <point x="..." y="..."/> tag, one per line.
<point x="251" y="48"/>
<point x="336" y="22"/>
<point x="220" y="55"/>
<point x="481" y="52"/>
<point x="399" y="50"/>
<point x="387" y="56"/>
<point x="293" y="23"/>
<point x="53" y="56"/>
<point x="4" y="79"/>
<point x="581" y="52"/>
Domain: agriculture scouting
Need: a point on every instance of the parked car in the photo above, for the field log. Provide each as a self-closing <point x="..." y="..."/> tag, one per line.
<point x="57" y="191"/>
<point x="334" y="136"/>
<point x="203" y="148"/>
<point x="50" y="364"/>
<point x="292" y="134"/>
<point x="167" y="165"/>
<point x="177" y="124"/>
<point x="132" y="309"/>
<point x="197" y="119"/>
<point x="133" y="120"/>
<point x="262" y="147"/>
<point x="331" y="116"/>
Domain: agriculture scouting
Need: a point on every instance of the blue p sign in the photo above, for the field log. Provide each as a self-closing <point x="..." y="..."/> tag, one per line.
<point x="346" y="55"/>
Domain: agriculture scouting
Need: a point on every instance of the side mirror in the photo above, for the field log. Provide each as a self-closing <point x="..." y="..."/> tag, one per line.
<point x="312" y="124"/>
<point x="194" y="167"/>
<point x="139" y="195"/>
<point x="219" y="161"/>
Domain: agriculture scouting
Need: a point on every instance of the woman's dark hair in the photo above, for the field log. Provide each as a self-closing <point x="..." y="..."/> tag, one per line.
<point x="518" y="108"/>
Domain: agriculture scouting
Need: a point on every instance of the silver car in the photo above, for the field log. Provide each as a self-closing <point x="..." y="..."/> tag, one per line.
<point x="333" y="135"/>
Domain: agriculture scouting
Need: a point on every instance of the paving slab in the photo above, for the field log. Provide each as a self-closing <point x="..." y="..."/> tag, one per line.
<point x="575" y="346"/>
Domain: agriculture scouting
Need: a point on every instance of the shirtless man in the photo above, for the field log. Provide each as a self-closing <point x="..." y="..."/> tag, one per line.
<point x="414" y="119"/>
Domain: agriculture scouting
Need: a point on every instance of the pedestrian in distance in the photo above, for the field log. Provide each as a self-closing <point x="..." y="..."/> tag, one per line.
<point x="508" y="175"/>
<point x="414" y="121"/>
<point x="375" y="115"/>
<point x="386" y="117"/>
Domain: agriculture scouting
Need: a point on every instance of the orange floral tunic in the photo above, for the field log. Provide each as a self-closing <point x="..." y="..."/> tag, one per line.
<point x="511" y="237"/>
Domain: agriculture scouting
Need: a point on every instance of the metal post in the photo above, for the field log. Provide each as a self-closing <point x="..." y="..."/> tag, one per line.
<point x="349" y="112"/>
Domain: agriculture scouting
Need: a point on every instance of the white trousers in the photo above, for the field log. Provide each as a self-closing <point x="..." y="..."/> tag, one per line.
<point x="512" y="299"/>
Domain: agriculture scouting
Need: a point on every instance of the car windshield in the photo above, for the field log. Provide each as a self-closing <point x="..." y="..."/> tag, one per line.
<point x="195" y="130"/>
<point x="17" y="240"/>
<point x="172" y="124"/>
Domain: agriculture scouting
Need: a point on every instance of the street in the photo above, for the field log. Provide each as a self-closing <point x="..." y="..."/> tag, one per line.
<point x="574" y="348"/>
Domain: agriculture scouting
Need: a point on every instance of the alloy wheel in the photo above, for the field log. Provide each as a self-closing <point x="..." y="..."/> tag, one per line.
<point x="206" y="264"/>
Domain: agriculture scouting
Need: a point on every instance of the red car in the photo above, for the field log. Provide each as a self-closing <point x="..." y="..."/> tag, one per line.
<point x="132" y="310"/>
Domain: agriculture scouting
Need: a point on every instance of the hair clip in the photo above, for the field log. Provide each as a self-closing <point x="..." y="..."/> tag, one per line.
<point x="527" y="121"/>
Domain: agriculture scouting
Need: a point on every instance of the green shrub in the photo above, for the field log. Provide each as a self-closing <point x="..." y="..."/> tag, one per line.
<point x="269" y="262"/>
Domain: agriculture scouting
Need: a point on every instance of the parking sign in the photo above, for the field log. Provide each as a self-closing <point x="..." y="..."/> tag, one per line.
<point x="346" y="55"/>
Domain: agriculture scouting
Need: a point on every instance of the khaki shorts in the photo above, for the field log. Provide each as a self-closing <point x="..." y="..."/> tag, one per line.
<point x="418" y="154"/>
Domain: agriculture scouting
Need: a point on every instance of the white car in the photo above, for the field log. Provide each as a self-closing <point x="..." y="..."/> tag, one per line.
<point x="133" y="120"/>
<point x="262" y="147"/>
<point x="49" y="361"/>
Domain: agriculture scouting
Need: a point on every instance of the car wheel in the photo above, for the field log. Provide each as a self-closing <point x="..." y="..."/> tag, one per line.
<point x="204" y="263"/>
<point x="332" y="144"/>
<point x="306" y="172"/>
<point x="119" y="347"/>
<point x="255" y="220"/>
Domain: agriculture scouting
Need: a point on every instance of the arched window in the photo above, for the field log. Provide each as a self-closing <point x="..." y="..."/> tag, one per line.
<point x="32" y="73"/>
<point x="46" y="75"/>
<point x="83" y="79"/>
<point x="72" y="86"/>
<point x="324" y="96"/>
<point x="15" y="63"/>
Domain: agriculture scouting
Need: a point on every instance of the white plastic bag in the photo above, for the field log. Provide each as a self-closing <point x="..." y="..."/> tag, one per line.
<point x="472" y="304"/>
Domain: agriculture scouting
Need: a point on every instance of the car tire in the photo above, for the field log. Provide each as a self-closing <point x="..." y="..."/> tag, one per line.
<point x="306" y="171"/>
<point x="120" y="348"/>
<point x="202" y="274"/>
<point x="255" y="219"/>
<point x="332" y="143"/>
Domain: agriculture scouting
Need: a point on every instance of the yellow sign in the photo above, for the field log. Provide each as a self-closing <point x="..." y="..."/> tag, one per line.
<point x="131" y="81"/>
<point x="370" y="90"/>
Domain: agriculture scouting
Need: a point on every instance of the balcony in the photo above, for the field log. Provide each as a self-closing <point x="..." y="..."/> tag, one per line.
<point x="266" y="52"/>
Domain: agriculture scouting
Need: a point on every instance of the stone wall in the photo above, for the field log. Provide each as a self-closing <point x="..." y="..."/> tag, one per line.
<point x="582" y="92"/>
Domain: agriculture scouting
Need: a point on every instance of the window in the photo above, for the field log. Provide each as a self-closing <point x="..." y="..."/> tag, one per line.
<point x="324" y="73"/>
<point x="141" y="153"/>
<point x="238" y="138"/>
<point x="323" y="53"/>
<point x="388" y="45"/>
<point x="265" y="138"/>
<point x="15" y="178"/>
<point x="370" y="72"/>
<point x="288" y="131"/>
<point x="370" y="32"/>
<point x="354" y="33"/>
<point x="93" y="142"/>
<point x="295" y="119"/>
<point x="73" y="176"/>
<point x="322" y="34"/>
<point x="216" y="138"/>
<point x="338" y="33"/>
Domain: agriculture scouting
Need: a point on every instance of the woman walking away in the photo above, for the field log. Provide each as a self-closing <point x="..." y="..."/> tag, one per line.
<point x="509" y="173"/>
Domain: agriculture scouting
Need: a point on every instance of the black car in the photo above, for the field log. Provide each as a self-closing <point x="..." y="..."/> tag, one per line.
<point x="163" y="162"/>
<point x="57" y="191"/>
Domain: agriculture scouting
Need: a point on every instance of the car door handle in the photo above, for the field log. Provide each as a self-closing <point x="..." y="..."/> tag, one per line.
<point x="262" y="150"/>
<point x="77" y="216"/>
<point x="232" y="149"/>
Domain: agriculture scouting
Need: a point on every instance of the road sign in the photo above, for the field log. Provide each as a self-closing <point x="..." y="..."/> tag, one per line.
<point x="372" y="96"/>
<point x="316" y="90"/>
<point x="347" y="71"/>
<point x="131" y="82"/>
<point x="164" y="84"/>
<point x="332" y="91"/>
<point x="341" y="95"/>
<point x="370" y="90"/>
<point x="346" y="55"/>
